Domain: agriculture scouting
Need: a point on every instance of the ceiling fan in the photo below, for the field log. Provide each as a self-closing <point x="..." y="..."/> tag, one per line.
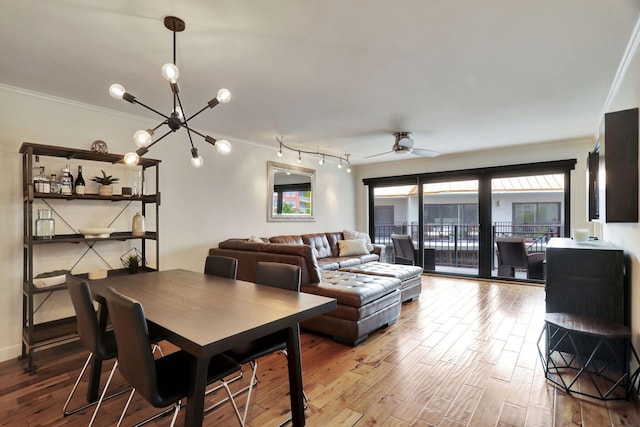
<point x="404" y="145"/>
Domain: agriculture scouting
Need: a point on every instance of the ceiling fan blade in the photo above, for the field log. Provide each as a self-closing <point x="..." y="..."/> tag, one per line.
<point x="379" y="154"/>
<point x="425" y="153"/>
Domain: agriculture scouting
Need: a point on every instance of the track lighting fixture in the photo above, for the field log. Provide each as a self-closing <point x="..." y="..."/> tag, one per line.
<point x="176" y="120"/>
<point x="342" y="160"/>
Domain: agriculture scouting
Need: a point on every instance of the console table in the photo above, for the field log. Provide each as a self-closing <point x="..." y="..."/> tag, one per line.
<point x="586" y="329"/>
<point x="587" y="279"/>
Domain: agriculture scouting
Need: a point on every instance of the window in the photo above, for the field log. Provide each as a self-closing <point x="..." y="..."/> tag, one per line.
<point x="533" y="213"/>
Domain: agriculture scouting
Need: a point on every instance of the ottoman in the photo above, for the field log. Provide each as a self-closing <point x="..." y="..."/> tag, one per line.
<point x="409" y="276"/>
<point x="365" y="303"/>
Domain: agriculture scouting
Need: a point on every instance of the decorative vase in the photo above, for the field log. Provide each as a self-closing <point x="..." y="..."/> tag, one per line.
<point x="137" y="225"/>
<point x="105" y="190"/>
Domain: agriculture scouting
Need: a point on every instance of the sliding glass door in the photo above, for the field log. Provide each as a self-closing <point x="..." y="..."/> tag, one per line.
<point x="455" y="218"/>
<point x="450" y="230"/>
<point x="528" y="208"/>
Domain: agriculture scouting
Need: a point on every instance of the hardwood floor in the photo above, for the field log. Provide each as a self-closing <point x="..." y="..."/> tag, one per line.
<point x="463" y="354"/>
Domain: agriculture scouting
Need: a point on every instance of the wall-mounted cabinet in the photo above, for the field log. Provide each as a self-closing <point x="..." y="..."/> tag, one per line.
<point x="36" y="334"/>
<point x="613" y="169"/>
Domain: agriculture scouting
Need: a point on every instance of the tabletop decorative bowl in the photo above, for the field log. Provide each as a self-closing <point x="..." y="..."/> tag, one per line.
<point x="96" y="233"/>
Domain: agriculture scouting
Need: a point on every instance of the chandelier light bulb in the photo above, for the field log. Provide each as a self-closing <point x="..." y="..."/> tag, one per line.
<point x="223" y="146"/>
<point x="117" y="91"/>
<point x="197" y="162"/>
<point x="223" y="96"/>
<point x="170" y="72"/>
<point x="349" y="168"/>
<point x="280" y="153"/>
<point x="299" y="157"/>
<point x="340" y="164"/>
<point x="321" y="161"/>
<point x="131" y="158"/>
<point x="142" y="138"/>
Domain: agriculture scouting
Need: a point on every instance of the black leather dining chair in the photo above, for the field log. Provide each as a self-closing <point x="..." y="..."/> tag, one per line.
<point x="222" y="266"/>
<point x="101" y="344"/>
<point x="164" y="381"/>
<point x="278" y="275"/>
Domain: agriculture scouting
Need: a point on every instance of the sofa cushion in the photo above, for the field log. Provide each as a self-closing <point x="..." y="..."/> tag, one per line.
<point x="352" y="289"/>
<point x="290" y="239"/>
<point x="352" y="247"/>
<point x="319" y="244"/>
<point x="332" y="238"/>
<point x="350" y="235"/>
<point x="242" y="245"/>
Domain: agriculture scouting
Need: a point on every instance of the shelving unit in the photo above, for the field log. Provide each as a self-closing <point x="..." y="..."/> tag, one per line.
<point x="60" y="331"/>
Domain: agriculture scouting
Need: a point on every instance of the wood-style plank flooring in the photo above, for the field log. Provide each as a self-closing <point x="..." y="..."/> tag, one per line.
<point x="464" y="354"/>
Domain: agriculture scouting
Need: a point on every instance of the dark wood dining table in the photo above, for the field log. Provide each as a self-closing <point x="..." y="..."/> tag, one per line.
<point x="205" y="315"/>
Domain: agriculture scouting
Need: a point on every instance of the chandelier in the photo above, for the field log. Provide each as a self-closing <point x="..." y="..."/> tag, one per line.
<point x="178" y="118"/>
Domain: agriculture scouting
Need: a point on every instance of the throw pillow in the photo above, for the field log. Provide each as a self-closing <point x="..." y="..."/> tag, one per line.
<point x="254" y="239"/>
<point x="351" y="235"/>
<point x="352" y="247"/>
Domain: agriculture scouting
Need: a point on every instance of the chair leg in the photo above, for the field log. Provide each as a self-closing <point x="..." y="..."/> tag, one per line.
<point x="133" y="390"/>
<point x="254" y="373"/>
<point x="233" y="403"/>
<point x="104" y="391"/>
<point x="73" y="390"/>
<point x="236" y="393"/>
<point x="90" y="404"/>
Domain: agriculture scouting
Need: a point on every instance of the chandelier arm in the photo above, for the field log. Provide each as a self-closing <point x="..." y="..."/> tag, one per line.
<point x="210" y="104"/>
<point x="194" y="131"/>
<point x="150" y="109"/>
<point x="161" y="124"/>
<point x="185" y="124"/>
<point x="157" y="140"/>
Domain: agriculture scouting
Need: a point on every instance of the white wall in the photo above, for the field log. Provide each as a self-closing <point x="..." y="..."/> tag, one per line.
<point x="627" y="95"/>
<point x="200" y="207"/>
<point x="556" y="150"/>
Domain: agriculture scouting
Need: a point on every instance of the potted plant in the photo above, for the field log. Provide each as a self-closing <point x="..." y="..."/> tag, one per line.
<point x="105" y="181"/>
<point x="132" y="262"/>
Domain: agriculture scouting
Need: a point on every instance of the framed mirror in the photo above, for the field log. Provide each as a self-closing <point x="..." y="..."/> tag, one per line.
<point x="290" y="193"/>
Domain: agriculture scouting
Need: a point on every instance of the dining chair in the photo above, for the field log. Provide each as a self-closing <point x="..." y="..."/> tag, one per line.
<point x="223" y="266"/>
<point x="278" y="275"/>
<point x="162" y="382"/>
<point x="101" y="344"/>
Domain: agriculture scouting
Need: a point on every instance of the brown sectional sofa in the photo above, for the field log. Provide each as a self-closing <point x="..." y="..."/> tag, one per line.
<point x="366" y="301"/>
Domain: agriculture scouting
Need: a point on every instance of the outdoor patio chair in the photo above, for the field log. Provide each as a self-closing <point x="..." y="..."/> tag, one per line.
<point x="512" y="254"/>
<point x="406" y="253"/>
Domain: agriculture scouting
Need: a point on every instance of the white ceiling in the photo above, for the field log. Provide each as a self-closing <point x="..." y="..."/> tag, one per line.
<point x="336" y="75"/>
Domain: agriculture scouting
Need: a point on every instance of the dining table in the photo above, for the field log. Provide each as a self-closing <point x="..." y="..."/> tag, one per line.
<point x="205" y="315"/>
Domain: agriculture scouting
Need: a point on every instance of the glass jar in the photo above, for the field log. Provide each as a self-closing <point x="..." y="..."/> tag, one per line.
<point x="45" y="224"/>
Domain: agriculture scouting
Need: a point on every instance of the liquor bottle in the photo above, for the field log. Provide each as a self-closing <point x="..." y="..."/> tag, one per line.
<point x="43" y="182"/>
<point x="80" y="181"/>
<point x="65" y="182"/>
<point x="70" y="176"/>
<point x="55" y="184"/>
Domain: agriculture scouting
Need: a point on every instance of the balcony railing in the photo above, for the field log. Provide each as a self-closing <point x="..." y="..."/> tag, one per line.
<point x="456" y="245"/>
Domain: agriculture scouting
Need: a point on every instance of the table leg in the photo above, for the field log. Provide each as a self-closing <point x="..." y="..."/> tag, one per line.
<point x="195" y="396"/>
<point x="295" y="376"/>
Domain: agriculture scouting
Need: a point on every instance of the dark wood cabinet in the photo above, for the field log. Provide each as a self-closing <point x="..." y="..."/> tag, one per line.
<point x="587" y="279"/>
<point x="618" y="154"/>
